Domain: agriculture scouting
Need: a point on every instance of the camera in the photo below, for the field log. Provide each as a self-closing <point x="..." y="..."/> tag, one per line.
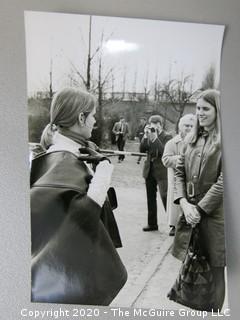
<point x="149" y="129"/>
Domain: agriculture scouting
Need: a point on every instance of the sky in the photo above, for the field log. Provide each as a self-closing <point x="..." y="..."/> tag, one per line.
<point x="138" y="51"/>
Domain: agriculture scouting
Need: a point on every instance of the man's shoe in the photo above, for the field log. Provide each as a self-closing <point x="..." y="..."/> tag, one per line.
<point x="172" y="231"/>
<point x="150" y="228"/>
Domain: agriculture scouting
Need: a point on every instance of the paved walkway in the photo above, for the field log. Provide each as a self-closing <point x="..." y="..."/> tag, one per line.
<point x="149" y="289"/>
<point x="142" y="252"/>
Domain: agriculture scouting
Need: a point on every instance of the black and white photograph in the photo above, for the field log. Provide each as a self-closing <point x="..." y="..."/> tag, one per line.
<point x="125" y="160"/>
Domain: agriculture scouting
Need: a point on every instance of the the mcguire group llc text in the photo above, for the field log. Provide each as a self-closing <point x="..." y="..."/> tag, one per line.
<point x="78" y="313"/>
<point x="118" y="312"/>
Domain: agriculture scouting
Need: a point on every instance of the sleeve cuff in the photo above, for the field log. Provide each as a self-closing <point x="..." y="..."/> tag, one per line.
<point x="200" y="210"/>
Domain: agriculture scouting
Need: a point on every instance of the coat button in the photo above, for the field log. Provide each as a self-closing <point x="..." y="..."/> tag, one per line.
<point x="195" y="179"/>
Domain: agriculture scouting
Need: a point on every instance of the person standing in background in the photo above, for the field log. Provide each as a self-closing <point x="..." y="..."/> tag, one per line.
<point x="154" y="172"/>
<point x="121" y="131"/>
<point x="172" y="152"/>
<point x="140" y="129"/>
<point x="140" y="133"/>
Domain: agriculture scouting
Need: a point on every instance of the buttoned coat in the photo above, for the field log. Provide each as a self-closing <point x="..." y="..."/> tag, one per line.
<point x="199" y="178"/>
<point x="154" y="154"/>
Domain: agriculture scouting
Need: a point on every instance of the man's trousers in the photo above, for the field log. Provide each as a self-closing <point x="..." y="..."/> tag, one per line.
<point x="151" y="188"/>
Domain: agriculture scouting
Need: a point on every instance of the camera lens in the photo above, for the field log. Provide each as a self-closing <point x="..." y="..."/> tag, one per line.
<point x="153" y="130"/>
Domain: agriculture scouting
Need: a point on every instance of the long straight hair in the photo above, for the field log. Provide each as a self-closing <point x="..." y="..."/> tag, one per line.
<point x="211" y="96"/>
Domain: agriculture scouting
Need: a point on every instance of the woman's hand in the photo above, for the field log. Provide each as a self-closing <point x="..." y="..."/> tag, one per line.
<point x="100" y="182"/>
<point x="178" y="159"/>
<point x="190" y="211"/>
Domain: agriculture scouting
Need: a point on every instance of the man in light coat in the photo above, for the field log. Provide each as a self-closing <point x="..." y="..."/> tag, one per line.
<point x="121" y="132"/>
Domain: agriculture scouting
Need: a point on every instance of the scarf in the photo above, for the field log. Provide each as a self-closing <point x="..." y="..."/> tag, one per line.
<point x="203" y="133"/>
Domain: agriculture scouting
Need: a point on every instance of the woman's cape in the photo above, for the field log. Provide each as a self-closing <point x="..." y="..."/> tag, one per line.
<point x="73" y="257"/>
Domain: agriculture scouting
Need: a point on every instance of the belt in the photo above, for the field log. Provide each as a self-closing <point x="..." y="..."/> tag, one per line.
<point x="193" y="193"/>
<point x="190" y="189"/>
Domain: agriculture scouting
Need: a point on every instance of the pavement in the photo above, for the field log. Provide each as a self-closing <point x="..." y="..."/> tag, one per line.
<point x="152" y="270"/>
<point x="150" y="288"/>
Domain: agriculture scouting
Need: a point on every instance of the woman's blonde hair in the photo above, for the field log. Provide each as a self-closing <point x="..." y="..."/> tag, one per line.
<point x="211" y="96"/>
<point x="66" y="106"/>
<point x="189" y="117"/>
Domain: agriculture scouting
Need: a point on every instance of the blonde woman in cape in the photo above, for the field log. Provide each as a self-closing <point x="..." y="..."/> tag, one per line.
<point x="73" y="230"/>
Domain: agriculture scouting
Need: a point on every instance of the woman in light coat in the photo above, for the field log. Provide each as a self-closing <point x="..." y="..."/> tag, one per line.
<point x="172" y="151"/>
<point x="199" y="190"/>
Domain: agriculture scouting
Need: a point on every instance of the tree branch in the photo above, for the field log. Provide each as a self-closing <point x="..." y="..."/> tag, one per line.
<point x="78" y="73"/>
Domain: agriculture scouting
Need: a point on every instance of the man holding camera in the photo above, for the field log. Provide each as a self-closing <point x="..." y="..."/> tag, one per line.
<point x="154" y="172"/>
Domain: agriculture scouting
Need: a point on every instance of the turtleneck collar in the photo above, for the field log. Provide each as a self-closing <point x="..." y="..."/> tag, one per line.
<point x="63" y="143"/>
<point x="73" y="136"/>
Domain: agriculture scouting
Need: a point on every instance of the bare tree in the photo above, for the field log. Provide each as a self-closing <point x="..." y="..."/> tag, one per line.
<point x="145" y="86"/>
<point x="124" y="83"/>
<point x="209" y="78"/>
<point x="112" y="87"/>
<point x="89" y="58"/>
<point x="178" y="93"/>
<point x="94" y="83"/>
<point x="87" y="79"/>
<point x="102" y="81"/>
<point x="50" y="78"/>
<point x="134" y="87"/>
<point x="156" y="87"/>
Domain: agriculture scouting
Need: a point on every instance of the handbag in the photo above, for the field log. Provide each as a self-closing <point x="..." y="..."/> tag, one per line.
<point x="194" y="286"/>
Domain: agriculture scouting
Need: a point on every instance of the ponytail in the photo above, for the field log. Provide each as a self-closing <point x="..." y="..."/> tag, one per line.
<point x="47" y="136"/>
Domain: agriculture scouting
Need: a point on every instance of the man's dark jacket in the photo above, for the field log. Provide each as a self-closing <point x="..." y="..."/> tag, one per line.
<point x="154" y="155"/>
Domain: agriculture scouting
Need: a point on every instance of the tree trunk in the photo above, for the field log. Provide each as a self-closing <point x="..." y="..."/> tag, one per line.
<point x="179" y="116"/>
<point x="100" y="94"/>
<point x="88" y="82"/>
